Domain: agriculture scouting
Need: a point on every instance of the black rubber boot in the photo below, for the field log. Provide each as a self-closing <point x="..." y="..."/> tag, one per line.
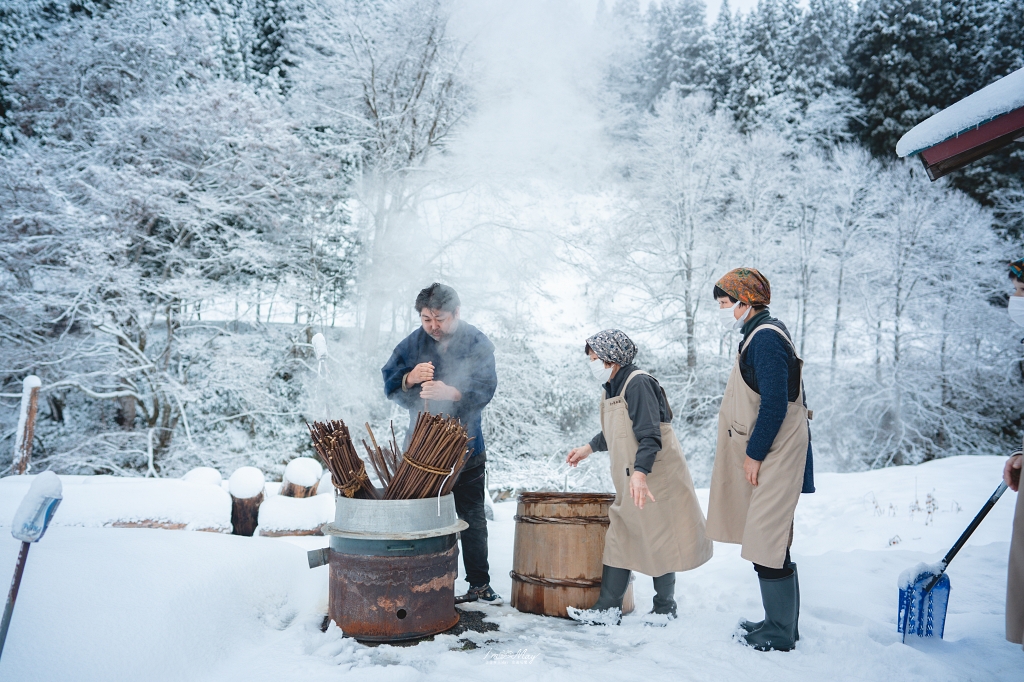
<point x="750" y="625"/>
<point x="778" y="632"/>
<point x="664" y="595"/>
<point x="614" y="583"/>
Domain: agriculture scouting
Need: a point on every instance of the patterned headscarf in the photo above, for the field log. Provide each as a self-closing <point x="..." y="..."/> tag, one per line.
<point x="747" y="285"/>
<point x="613" y="345"/>
<point x="1017" y="269"/>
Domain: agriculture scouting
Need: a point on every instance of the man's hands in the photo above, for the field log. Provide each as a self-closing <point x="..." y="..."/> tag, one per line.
<point x="577" y="455"/>
<point x="750" y="469"/>
<point x="1011" y="472"/>
<point x="438" y="390"/>
<point x="638" y="489"/>
<point x="421" y="373"/>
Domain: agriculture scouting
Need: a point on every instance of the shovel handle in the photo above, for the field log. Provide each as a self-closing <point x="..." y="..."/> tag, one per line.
<point x="967" y="534"/>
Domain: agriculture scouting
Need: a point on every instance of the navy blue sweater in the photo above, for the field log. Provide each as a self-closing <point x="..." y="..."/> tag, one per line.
<point x="467" y="364"/>
<point x="769" y="367"/>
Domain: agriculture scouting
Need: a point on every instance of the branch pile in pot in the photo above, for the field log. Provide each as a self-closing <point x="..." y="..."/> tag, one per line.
<point x="437" y="452"/>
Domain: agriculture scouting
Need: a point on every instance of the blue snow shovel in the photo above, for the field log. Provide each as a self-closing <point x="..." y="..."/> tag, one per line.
<point x="923" y="601"/>
<point x="30" y="522"/>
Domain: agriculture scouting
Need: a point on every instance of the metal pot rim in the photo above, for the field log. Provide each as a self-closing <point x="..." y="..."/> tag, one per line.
<point x="331" y="529"/>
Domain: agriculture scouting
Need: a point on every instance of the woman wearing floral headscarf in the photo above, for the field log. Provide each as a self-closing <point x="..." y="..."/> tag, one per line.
<point x="763" y="456"/>
<point x="656" y="524"/>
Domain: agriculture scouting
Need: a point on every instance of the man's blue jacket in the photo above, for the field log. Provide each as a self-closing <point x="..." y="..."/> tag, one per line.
<point x="467" y="364"/>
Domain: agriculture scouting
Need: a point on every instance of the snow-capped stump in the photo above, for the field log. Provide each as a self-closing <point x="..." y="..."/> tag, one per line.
<point x="281" y="515"/>
<point x="203" y="475"/>
<point x="301" y="477"/>
<point x="246" y="487"/>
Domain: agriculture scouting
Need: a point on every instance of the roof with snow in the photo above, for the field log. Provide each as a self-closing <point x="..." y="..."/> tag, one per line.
<point x="972" y="128"/>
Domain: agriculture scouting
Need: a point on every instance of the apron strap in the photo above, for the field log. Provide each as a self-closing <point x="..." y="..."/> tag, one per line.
<point x="780" y="333"/>
<point x="791" y="345"/>
<point x="622" y="391"/>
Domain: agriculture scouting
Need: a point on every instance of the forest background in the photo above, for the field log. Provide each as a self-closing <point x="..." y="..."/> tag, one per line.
<point x="190" y="189"/>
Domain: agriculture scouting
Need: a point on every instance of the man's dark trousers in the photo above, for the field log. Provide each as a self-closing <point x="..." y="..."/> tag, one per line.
<point x="469" y="504"/>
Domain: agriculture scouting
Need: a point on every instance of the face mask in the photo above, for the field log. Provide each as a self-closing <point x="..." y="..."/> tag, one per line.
<point x="728" y="315"/>
<point x="1015" y="308"/>
<point x="601" y="373"/>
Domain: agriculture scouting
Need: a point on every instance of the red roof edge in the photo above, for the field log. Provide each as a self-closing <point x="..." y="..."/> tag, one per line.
<point x="972" y="145"/>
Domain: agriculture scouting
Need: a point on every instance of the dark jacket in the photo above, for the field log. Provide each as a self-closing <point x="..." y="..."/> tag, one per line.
<point x="647" y="409"/>
<point x="769" y="367"/>
<point x="467" y="364"/>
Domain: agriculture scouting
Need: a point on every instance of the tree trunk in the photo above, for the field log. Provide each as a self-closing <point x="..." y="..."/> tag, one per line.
<point x="245" y="514"/>
<point x="289" y="489"/>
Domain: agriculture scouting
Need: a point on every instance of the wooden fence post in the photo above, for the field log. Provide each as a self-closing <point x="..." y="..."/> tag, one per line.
<point x="301" y="477"/>
<point x="247" y="487"/>
<point x="26" y="423"/>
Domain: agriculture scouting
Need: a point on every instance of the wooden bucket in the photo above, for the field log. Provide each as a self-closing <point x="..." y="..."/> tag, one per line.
<point x="557" y="558"/>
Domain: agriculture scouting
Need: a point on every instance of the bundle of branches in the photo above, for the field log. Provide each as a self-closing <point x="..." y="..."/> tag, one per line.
<point x="437" y="452"/>
<point x="385" y="460"/>
<point x="333" y="443"/>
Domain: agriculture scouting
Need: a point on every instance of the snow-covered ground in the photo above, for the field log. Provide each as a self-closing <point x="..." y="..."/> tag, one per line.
<point x="109" y="604"/>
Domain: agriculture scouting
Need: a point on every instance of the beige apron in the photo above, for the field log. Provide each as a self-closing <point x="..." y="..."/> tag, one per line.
<point x="760" y="518"/>
<point x="1015" y="577"/>
<point x="666" y="535"/>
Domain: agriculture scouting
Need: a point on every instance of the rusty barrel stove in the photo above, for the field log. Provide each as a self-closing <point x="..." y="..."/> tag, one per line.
<point x="393" y="565"/>
<point x="558" y="546"/>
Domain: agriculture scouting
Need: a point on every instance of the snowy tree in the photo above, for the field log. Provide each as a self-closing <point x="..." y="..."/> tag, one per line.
<point x="677" y="53"/>
<point x="394" y="65"/>
<point x="894" y="52"/>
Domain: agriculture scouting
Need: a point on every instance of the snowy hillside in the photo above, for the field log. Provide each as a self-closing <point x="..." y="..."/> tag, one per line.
<point x="108" y="604"/>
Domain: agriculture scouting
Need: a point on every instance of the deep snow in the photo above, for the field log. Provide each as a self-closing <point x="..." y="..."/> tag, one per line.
<point x="134" y="604"/>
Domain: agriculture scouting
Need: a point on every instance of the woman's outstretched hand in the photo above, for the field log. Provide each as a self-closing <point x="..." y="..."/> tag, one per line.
<point x="577" y="455"/>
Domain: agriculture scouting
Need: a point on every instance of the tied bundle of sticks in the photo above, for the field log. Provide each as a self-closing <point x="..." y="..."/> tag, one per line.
<point x="334" y="445"/>
<point x="437" y="452"/>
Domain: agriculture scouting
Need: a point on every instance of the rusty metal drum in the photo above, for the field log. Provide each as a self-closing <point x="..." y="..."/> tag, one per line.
<point x="393" y="565"/>
<point x="556" y="562"/>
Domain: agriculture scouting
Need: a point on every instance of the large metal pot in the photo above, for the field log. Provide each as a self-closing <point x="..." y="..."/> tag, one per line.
<point x="393" y="565"/>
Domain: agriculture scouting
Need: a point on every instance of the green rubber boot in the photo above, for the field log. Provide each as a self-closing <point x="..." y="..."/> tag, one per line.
<point x="665" y="595"/>
<point x="608" y="608"/>
<point x="778" y="632"/>
<point x="750" y="626"/>
<point x="614" y="583"/>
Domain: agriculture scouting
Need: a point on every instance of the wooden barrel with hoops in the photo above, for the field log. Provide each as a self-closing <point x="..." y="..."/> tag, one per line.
<point x="557" y="557"/>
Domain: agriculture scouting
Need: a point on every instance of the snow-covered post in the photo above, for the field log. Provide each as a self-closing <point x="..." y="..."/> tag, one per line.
<point x="29" y="524"/>
<point x="26" y="423"/>
<point x="301" y="477"/>
<point x="246" y="486"/>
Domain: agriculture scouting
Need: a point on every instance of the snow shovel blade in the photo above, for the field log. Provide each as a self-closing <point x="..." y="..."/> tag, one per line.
<point x="923" y="611"/>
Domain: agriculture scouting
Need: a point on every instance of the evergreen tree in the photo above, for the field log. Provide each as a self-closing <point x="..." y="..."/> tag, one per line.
<point x="767" y="52"/>
<point x="1004" y="52"/>
<point x="623" y="29"/>
<point x="273" y="56"/>
<point x="723" y="59"/>
<point x="678" y="50"/>
<point x="819" y="64"/>
<point x="894" y="53"/>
